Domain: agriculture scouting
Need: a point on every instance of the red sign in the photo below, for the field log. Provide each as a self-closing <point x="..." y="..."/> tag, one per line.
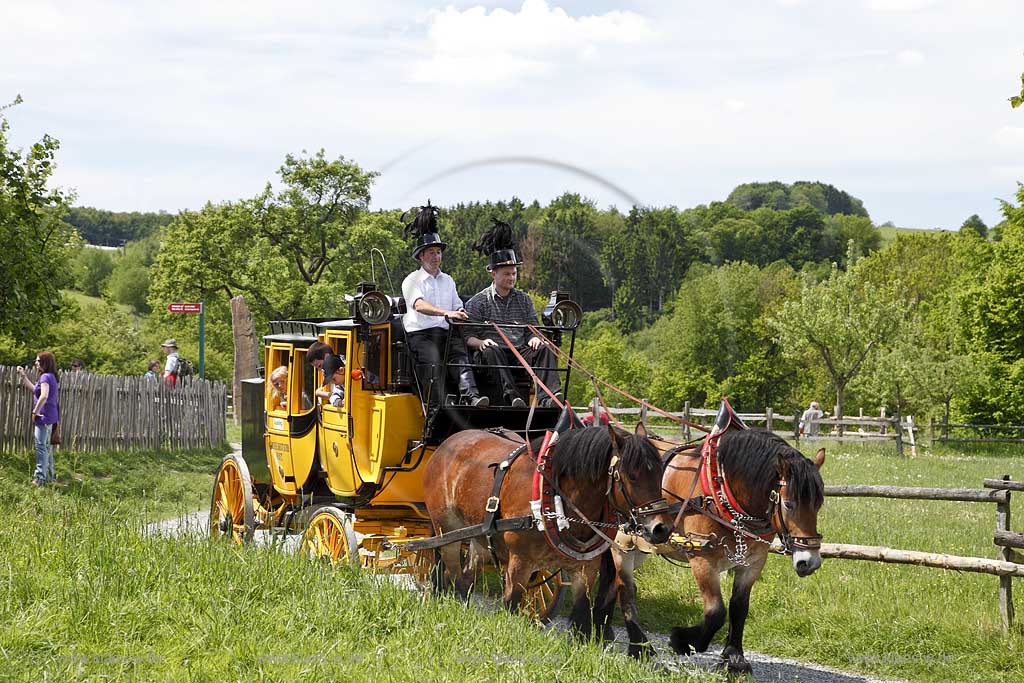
<point x="185" y="308"/>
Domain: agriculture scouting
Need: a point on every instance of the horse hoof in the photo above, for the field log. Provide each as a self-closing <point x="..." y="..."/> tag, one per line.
<point x="735" y="665"/>
<point x="682" y="640"/>
<point x="641" y="652"/>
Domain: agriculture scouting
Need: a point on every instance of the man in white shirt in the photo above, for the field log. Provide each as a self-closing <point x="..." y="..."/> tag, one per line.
<point x="170" y="373"/>
<point x="431" y="298"/>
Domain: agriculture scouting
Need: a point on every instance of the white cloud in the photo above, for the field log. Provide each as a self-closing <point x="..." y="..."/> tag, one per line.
<point x="1010" y="136"/>
<point x="910" y="58"/>
<point x="474" y="46"/>
<point x="735" y="105"/>
<point x="897" y="6"/>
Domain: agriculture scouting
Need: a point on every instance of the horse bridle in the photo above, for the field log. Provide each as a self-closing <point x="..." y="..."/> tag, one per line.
<point x="777" y="521"/>
<point x="636" y="512"/>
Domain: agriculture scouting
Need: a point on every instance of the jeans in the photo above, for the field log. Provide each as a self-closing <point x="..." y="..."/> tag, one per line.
<point x="44" y="455"/>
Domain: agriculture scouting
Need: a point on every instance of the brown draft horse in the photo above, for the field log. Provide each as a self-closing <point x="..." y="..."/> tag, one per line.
<point x="766" y="476"/>
<point x="594" y="467"/>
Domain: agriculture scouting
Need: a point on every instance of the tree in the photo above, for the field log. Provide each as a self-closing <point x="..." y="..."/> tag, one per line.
<point x="839" y="323"/>
<point x="713" y="339"/>
<point x="321" y="199"/>
<point x="34" y="238"/>
<point x="92" y="268"/>
<point x="273" y="248"/>
<point x="976" y="225"/>
<point x="562" y="251"/>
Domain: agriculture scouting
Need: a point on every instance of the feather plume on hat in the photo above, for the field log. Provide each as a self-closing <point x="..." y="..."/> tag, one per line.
<point x="498" y="237"/>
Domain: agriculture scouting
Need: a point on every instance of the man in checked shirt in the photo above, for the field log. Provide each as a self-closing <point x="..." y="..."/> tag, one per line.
<point x="503" y="303"/>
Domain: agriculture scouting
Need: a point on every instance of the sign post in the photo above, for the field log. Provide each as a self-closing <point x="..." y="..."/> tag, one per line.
<point x="200" y="308"/>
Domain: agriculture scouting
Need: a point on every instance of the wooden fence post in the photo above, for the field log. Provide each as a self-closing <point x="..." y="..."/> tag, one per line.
<point x="944" y="433"/>
<point x="595" y="408"/>
<point x="643" y="412"/>
<point x="768" y="422"/>
<point x="796" y="425"/>
<point x="931" y="433"/>
<point x="1006" y="554"/>
<point x="686" y="416"/>
<point x="898" y="426"/>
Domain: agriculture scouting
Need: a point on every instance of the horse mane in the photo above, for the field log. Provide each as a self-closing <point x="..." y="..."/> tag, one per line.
<point x="499" y="236"/>
<point x="583" y="454"/>
<point x="753" y="455"/>
<point x="423" y="223"/>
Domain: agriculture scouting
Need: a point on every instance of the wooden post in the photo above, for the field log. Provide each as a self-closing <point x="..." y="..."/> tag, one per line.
<point x="796" y="426"/>
<point x="686" y="416"/>
<point x="595" y="408"/>
<point x="643" y="412"/>
<point x="768" y="423"/>
<point x="944" y="434"/>
<point x="912" y="438"/>
<point x="897" y="425"/>
<point x="247" y="352"/>
<point x="931" y="433"/>
<point x="1007" y="555"/>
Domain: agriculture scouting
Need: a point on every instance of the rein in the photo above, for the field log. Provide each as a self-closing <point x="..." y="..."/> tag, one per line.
<point x="562" y="355"/>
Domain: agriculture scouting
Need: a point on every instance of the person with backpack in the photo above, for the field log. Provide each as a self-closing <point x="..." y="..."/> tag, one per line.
<point x="176" y="366"/>
<point x="170" y="373"/>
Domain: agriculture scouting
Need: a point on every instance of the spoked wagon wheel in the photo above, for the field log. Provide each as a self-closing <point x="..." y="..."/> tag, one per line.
<point x="231" y="513"/>
<point x="543" y="596"/>
<point x="330" y="536"/>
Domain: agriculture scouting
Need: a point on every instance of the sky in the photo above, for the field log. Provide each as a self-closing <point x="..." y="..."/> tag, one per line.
<point x="170" y="105"/>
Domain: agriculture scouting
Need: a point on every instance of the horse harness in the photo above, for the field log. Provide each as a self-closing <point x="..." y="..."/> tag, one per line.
<point x="718" y="503"/>
<point x="548" y="514"/>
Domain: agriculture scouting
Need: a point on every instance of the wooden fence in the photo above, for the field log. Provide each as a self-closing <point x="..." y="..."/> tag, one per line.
<point x="997" y="491"/>
<point x="947" y="432"/>
<point x="111" y="412"/>
<point x="850" y="429"/>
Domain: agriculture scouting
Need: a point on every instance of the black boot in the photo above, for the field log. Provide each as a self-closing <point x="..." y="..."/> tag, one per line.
<point x="470" y="394"/>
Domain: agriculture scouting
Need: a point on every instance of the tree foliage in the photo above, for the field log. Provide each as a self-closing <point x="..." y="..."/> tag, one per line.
<point x="839" y="323"/>
<point x="36" y="240"/>
<point x="822" y="197"/>
<point x="114" y="228"/>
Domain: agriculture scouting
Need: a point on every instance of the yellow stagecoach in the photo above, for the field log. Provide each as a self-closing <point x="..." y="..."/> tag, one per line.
<point x="347" y="478"/>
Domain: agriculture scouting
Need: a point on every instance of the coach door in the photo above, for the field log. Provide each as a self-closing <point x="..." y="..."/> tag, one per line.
<point x="337" y="452"/>
<point x="291" y="422"/>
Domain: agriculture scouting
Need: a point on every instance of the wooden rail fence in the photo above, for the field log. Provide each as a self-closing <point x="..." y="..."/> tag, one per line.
<point x="111" y="412"/>
<point x="849" y="429"/>
<point x="996" y="491"/>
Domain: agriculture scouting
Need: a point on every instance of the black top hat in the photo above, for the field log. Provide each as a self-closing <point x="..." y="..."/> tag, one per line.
<point x="503" y="257"/>
<point x="424" y="227"/>
<point x="431" y="239"/>
<point x="498" y="246"/>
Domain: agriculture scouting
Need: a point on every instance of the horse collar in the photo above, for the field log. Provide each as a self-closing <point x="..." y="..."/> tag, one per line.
<point x="715" y="487"/>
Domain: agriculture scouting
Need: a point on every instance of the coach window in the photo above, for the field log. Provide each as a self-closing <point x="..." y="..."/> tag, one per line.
<point x="375" y="368"/>
<point x="277" y="383"/>
<point x="304" y="377"/>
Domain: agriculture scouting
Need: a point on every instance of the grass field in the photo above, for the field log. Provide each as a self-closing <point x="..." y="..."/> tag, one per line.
<point x="85" y="595"/>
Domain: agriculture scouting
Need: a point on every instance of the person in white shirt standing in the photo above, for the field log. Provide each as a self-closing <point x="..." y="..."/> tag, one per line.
<point x="431" y="300"/>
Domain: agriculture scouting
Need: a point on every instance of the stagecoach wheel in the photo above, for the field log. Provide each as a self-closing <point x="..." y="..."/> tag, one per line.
<point x="330" y="536"/>
<point x="543" y="596"/>
<point x="231" y="511"/>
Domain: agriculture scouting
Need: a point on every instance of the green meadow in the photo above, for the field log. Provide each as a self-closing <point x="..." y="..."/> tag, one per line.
<point x="86" y="594"/>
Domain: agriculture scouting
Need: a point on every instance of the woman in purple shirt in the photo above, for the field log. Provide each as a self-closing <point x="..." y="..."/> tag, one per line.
<point x="45" y="414"/>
